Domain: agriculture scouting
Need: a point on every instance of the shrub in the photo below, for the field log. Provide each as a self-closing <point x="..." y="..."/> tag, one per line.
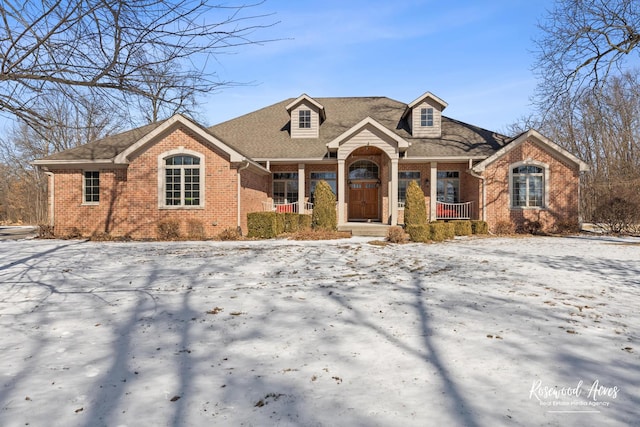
<point x="305" y="221"/>
<point x="479" y="227"/>
<point x="419" y="233"/>
<point x="397" y="235"/>
<point x="46" y="231"/>
<point x="74" y="233"/>
<point x="438" y="231"/>
<point x="101" y="236"/>
<point x="229" y="234"/>
<point x="462" y="228"/>
<point x="415" y="209"/>
<point x="263" y="225"/>
<point x="618" y="214"/>
<point x="324" y="208"/>
<point x="168" y="229"/>
<point x="449" y="230"/>
<point x="195" y="229"/>
<point x="566" y="226"/>
<point x="503" y="228"/>
<point x="531" y="227"/>
<point x="291" y="222"/>
<point x="315" y="234"/>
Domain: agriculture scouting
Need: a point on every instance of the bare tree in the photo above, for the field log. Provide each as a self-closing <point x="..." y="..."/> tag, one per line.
<point x="582" y="43"/>
<point x="114" y="49"/>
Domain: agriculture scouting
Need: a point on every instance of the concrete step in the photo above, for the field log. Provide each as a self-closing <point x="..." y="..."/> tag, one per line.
<point x="372" y="229"/>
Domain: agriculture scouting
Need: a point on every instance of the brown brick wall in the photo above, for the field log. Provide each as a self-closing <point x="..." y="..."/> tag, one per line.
<point x="129" y="198"/>
<point x="563" y="189"/>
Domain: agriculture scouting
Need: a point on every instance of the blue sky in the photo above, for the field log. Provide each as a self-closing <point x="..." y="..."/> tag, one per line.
<point x="475" y="55"/>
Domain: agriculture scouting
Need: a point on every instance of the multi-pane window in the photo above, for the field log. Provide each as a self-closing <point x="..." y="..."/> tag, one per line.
<point x="426" y="117"/>
<point x="404" y="178"/>
<point x="527" y="186"/>
<point x="285" y="187"/>
<point x="448" y="186"/>
<point x="329" y="177"/>
<point x="182" y="181"/>
<point x="363" y="169"/>
<point x="304" y="119"/>
<point x="91" y="186"/>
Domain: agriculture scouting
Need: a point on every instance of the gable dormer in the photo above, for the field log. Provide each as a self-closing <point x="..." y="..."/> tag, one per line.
<point x="424" y="116"/>
<point x="306" y="115"/>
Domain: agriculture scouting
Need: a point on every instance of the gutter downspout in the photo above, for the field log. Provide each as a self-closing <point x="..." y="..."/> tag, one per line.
<point x="484" y="191"/>
<point x="239" y="180"/>
<point x="51" y="202"/>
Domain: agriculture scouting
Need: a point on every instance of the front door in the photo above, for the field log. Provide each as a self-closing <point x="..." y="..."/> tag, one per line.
<point x="363" y="201"/>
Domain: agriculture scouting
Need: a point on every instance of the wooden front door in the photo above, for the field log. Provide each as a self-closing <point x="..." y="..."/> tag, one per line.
<point x="363" y="201"/>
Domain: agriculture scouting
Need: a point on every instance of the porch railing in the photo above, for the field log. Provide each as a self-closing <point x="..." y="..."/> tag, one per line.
<point x="454" y="210"/>
<point x="272" y="206"/>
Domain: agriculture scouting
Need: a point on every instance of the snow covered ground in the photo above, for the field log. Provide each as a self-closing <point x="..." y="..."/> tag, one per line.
<point x="473" y="332"/>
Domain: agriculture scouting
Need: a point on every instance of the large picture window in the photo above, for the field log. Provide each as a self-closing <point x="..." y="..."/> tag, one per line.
<point x="285" y="187"/>
<point x="182" y="180"/>
<point x="404" y="178"/>
<point x="448" y="187"/>
<point x="527" y="186"/>
<point x="91" y="187"/>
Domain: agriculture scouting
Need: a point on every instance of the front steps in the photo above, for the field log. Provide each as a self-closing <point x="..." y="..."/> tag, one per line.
<point x="373" y="229"/>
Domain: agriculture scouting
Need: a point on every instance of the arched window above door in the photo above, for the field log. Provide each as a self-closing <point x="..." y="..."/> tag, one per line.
<point x="363" y="169"/>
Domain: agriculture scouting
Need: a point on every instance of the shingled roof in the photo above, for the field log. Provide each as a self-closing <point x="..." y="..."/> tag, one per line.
<point x="265" y="133"/>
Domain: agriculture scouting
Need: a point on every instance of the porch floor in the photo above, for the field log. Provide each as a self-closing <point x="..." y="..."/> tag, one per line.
<point x="373" y="229"/>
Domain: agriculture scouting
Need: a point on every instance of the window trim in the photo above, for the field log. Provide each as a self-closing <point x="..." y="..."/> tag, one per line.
<point x="426" y="117"/>
<point x="84" y="188"/>
<point x="162" y="178"/>
<point x="545" y="185"/>
<point x="304" y="119"/>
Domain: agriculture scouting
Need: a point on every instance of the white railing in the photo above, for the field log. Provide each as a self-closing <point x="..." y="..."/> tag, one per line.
<point x="454" y="210"/>
<point x="272" y="206"/>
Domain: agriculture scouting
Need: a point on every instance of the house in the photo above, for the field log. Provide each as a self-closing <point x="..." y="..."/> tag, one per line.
<point x="367" y="148"/>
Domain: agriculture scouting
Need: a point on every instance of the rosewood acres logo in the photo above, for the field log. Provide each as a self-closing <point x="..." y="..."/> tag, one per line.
<point x="581" y="398"/>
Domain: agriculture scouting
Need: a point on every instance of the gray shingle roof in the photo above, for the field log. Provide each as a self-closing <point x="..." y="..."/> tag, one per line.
<point x="264" y="134"/>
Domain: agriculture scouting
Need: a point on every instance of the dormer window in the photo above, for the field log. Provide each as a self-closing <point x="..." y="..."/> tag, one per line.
<point x="304" y="119"/>
<point x="426" y="117"/>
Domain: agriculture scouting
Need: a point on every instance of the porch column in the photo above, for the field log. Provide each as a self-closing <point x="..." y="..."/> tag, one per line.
<point x="341" y="192"/>
<point x="301" y="192"/>
<point x="433" y="192"/>
<point x="393" y="199"/>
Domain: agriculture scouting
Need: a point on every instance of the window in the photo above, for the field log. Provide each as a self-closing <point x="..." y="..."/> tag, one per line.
<point x="316" y="177"/>
<point x="285" y="187"/>
<point x="404" y="178"/>
<point x="426" y="117"/>
<point x="304" y="119"/>
<point x="363" y="169"/>
<point x="91" y="187"/>
<point x="448" y="187"/>
<point x="182" y="180"/>
<point x="527" y="186"/>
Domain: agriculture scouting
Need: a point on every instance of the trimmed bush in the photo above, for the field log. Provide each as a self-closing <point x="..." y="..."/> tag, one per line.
<point x="419" y="233"/>
<point x="263" y="225"/>
<point x="304" y="221"/>
<point x="504" y="228"/>
<point x="415" y="208"/>
<point x="324" y="208"/>
<point x="479" y="227"/>
<point x="397" y="235"/>
<point x="169" y="229"/>
<point x="449" y="230"/>
<point x="291" y="222"/>
<point x="462" y="228"/>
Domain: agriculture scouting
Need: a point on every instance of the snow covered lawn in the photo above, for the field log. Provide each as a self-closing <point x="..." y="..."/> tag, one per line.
<point x="473" y="332"/>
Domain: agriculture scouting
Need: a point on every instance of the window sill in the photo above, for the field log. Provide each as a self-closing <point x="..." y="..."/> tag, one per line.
<point x="528" y="208"/>
<point x="173" y="208"/>
<point x="90" y="204"/>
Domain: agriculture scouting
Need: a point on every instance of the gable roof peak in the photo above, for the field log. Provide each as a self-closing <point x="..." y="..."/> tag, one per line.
<point x="306" y="98"/>
<point x="421" y="99"/>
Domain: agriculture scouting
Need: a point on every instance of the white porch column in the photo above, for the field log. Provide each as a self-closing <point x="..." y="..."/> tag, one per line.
<point x="433" y="192"/>
<point x="301" y="192"/>
<point x="341" y="192"/>
<point x="393" y="199"/>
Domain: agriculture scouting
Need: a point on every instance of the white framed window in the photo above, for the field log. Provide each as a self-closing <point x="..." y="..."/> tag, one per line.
<point x="448" y="187"/>
<point x="404" y="178"/>
<point x="316" y="177"/>
<point x="304" y="119"/>
<point x="528" y="182"/>
<point x="285" y="187"/>
<point x="181" y="179"/>
<point x="426" y="117"/>
<point x="91" y="187"/>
